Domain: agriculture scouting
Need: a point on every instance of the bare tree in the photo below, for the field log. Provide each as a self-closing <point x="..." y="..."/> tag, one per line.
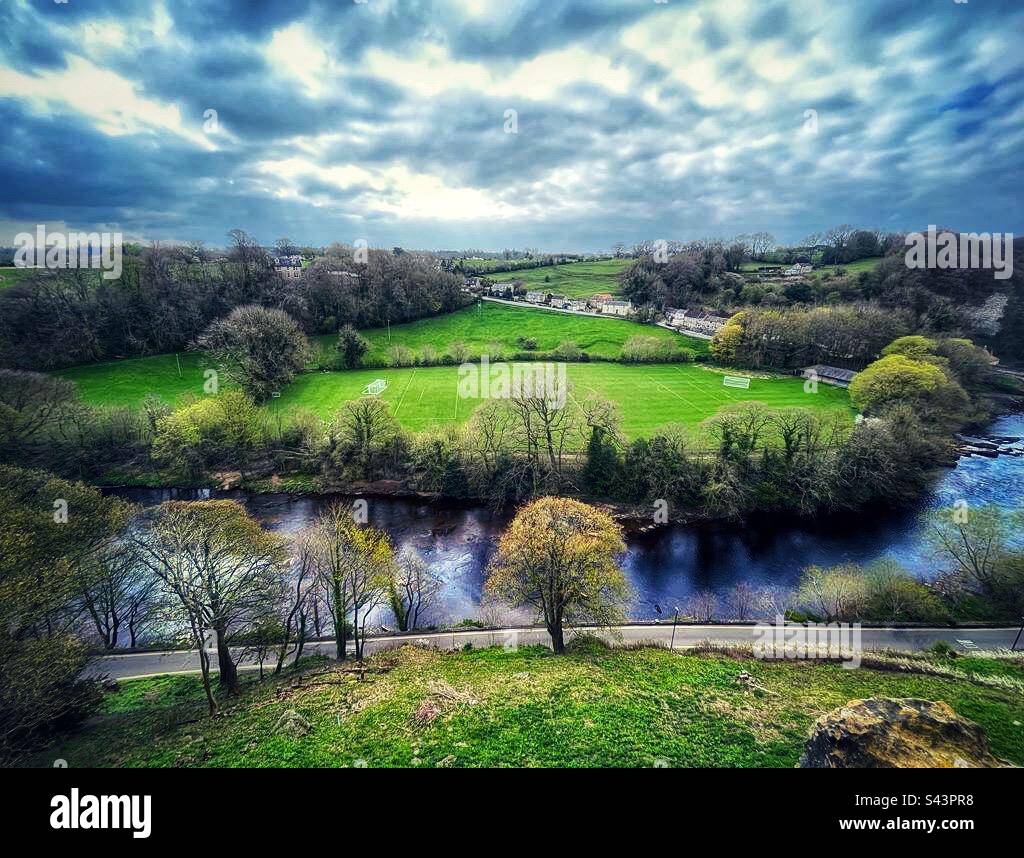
<point x="220" y="565"/>
<point x="354" y="571"/>
<point x="414" y="588"/>
<point x="119" y="593"/>
<point x="702" y="606"/>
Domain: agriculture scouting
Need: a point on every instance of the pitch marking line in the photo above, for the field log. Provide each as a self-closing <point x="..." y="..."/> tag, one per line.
<point x="403" y="392"/>
<point x="671" y="391"/>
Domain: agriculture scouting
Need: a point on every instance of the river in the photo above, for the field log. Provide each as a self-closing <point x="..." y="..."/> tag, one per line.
<point x="668" y="565"/>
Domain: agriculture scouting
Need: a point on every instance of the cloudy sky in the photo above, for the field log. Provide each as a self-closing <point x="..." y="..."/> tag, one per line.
<point x="390" y="120"/>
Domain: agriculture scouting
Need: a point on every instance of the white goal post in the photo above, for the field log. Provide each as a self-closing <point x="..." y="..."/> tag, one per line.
<point x="378" y="385"/>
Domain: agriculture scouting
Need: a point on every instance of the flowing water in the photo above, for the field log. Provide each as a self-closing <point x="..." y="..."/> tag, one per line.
<point x="667" y="565"/>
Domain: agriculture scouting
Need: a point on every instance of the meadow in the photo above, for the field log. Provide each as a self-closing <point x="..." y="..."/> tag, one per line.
<point x="10" y="276"/>
<point x="496" y="330"/>
<point x="592" y="707"/>
<point x="422" y="398"/>
<point x="576" y="279"/>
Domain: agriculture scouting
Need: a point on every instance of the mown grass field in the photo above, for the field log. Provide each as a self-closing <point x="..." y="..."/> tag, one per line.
<point x="424" y="398"/>
<point x="494" y="329"/>
<point x="527" y="708"/>
<point x="577" y="279"/>
<point x="10" y="276"/>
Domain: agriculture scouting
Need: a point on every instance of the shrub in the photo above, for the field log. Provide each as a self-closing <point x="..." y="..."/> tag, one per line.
<point x="401" y="356"/>
<point x="210" y="432"/>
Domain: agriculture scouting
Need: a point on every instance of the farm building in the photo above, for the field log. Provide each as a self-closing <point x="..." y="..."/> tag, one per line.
<point x="829" y="374"/>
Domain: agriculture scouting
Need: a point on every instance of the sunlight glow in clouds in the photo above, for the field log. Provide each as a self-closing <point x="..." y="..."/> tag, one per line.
<point x="635" y="119"/>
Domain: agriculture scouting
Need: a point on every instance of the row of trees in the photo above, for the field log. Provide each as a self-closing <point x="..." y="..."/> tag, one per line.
<point x="166" y="297"/>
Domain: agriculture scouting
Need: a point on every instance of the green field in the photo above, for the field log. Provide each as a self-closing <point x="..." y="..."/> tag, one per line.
<point x="577" y="279"/>
<point x="493" y="329"/>
<point x="525" y="708"/>
<point x="422" y="398"/>
<point x="10" y="276"/>
<point x="851" y="268"/>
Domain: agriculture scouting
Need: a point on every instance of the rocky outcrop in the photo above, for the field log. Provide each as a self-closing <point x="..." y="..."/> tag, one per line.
<point x="883" y="733"/>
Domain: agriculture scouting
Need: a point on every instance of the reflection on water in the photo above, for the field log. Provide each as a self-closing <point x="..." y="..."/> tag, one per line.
<point x="668" y="565"/>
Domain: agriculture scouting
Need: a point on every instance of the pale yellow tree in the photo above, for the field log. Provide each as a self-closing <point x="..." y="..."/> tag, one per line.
<point x="561" y="557"/>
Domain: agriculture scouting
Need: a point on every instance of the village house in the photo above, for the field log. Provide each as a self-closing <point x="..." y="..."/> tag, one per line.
<point x="617" y="308"/>
<point x="288" y="266"/>
<point x="700" y="323"/>
<point x="559" y="301"/>
<point x="503" y="290"/>
<point x="535" y="296"/>
<point x="599" y="299"/>
<point x="578" y="304"/>
<point x="799" y="269"/>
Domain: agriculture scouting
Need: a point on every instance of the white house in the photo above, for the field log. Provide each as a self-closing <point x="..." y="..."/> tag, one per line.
<point x="535" y="296"/>
<point x="578" y="304"/>
<point x="559" y="301"/>
<point x="701" y="323"/>
<point x="617" y="308"/>
<point x="503" y="290"/>
<point x="799" y="270"/>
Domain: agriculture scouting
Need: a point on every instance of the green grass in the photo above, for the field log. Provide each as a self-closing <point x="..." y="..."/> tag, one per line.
<point x="577" y="279"/>
<point x="850" y="268"/>
<point x="648" y="396"/>
<point x="623" y="707"/>
<point x="493" y="329"/>
<point x="10" y="276"/>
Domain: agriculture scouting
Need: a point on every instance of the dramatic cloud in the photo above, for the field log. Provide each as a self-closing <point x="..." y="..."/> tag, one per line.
<point x="559" y="124"/>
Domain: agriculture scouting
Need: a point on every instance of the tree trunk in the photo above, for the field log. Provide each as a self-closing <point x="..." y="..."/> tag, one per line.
<point x="228" y="671"/>
<point x="557" y="639"/>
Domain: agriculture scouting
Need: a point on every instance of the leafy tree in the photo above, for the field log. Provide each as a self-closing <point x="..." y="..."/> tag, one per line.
<point x="560" y="556"/>
<point x="258" y="348"/>
<point x="209" y="432"/>
<point x="837" y="594"/>
<point x="51" y="532"/>
<point x="894" y="378"/>
<point x="352" y="346"/>
<point x="601" y="471"/>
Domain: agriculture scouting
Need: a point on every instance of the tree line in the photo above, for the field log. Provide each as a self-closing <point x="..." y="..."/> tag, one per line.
<point x="167" y="296"/>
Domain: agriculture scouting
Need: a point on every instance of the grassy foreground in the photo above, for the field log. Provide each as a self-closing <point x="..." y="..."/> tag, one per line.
<point x="577" y="279"/>
<point x="421" y="398"/>
<point x="593" y="707"/>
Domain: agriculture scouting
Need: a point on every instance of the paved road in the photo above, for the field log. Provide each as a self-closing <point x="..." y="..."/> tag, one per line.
<point x="187" y="661"/>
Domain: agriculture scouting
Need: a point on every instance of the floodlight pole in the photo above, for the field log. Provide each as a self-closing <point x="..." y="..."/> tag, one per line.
<point x="675" y="620"/>
<point x="1021" y="632"/>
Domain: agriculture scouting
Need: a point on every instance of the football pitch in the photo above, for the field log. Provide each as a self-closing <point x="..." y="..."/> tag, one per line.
<point x="648" y="396"/>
